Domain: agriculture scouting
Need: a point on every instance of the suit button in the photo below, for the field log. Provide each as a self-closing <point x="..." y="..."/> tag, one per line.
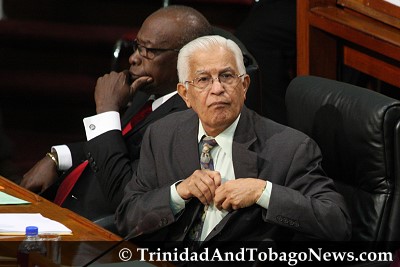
<point x="163" y="221"/>
<point x="89" y="155"/>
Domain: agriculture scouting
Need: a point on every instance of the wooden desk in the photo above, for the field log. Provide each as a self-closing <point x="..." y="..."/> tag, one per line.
<point x="82" y="229"/>
<point x="90" y="239"/>
<point x="331" y="33"/>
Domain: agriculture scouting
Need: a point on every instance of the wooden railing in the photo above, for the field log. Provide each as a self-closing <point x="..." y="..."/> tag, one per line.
<point x="356" y="33"/>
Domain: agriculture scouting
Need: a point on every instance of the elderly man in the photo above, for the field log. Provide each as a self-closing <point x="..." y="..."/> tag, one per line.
<point x="221" y="172"/>
<point x="112" y="151"/>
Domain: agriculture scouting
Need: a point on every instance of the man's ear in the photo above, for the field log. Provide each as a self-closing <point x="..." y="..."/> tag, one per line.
<point x="182" y="91"/>
<point x="246" y="84"/>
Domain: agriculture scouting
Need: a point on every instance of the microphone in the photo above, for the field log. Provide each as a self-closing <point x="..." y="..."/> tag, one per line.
<point x="148" y="224"/>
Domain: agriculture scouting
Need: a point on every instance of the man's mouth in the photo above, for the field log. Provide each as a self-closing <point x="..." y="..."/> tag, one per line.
<point x="133" y="76"/>
<point x="218" y="104"/>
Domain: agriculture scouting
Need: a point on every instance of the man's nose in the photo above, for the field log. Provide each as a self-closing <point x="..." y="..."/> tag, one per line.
<point x="135" y="58"/>
<point x="216" y="86"/>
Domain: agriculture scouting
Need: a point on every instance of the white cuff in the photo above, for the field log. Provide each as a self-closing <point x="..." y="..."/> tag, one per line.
<point x="64" y="157"/>
<point x="101" y="123"/>
<point x="263" y="201"/>
<point x="176" y="202"/>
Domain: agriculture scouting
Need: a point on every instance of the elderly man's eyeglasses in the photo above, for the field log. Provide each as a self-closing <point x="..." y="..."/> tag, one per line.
<point x="205" y="81"/>
<point x="147" y="52"/>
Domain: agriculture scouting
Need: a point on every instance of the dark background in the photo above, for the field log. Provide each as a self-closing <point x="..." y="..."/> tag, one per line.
<point x="51" y="54"/>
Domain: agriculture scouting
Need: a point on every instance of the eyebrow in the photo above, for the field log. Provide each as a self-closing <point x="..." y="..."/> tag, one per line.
<point x="144" y="43"/>
<point x="219" y="72"/>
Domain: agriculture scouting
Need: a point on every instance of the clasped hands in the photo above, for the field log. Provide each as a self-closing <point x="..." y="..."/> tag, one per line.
<point x="207" y="186"/>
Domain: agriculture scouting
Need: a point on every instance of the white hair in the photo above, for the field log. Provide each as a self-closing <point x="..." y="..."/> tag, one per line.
<point x="205" y="43"/>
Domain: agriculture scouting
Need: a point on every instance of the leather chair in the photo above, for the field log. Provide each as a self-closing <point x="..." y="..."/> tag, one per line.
<point x="358" y="131"/>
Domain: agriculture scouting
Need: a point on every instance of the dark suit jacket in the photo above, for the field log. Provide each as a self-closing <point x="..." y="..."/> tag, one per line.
<point x="303" y="199"/>
<point x="112" y="161"/>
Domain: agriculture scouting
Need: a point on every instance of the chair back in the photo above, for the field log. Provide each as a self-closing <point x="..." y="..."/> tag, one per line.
<point x="358" y="132"/>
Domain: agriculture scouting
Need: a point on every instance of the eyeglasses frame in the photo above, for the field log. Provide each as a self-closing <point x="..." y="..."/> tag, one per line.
<point x="213" y="79"/>
<point x="136" y="46"/>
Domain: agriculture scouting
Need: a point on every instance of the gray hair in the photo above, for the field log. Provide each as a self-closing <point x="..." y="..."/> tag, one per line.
<point x="204" y="43"/>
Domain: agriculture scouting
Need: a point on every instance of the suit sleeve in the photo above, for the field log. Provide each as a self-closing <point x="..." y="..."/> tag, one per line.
<point x="114" y="158"/>
<point x="112" y="163"/>
<point x="76" y="152"/>
<point x="308" y="201"/>
<point x="145" y="207"/>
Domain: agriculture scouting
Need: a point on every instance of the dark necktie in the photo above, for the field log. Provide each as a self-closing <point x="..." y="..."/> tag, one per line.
<point x="69" y="182"/>
<point x="206" y="162"/>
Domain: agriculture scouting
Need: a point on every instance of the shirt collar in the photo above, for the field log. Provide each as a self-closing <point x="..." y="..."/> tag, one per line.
<point x="161" y="100"/>
<point x="224" y="139"/>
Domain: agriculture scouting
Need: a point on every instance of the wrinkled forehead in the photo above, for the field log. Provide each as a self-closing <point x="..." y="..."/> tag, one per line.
<point x="212" y="60"/>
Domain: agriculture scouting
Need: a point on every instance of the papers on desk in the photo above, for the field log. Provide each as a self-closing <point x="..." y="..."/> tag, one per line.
<point x="394" y="2"/>
<point x="6" y="199"/>
<point x="15" y="224"/>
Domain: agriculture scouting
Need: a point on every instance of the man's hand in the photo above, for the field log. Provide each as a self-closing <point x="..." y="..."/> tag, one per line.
<point x="202" y="184"/>
<point x="41" y="176"/>
<point x="239" y="193"/>
<point x="113" y="91"/>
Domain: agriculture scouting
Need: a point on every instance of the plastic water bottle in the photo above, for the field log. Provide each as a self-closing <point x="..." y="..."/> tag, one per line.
<point x="31" y="244"/>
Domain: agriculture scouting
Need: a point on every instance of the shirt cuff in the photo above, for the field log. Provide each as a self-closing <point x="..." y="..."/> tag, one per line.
<point x="64" y="157"/>
<point x="101" y="123"/>
<point x="176" y="202"/>
<point x="263" y="201"/>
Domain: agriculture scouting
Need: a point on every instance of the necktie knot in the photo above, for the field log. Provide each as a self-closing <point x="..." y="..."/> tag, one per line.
<point x="209" y="142"/>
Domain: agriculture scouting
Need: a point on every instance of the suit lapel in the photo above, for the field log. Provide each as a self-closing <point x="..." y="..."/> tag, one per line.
<point x="138" y="101"/>
<point x="186" y="156"/>
<point x="244" y="160"/>
<point x="174" y="103"/>
<point x="187" y="152"/>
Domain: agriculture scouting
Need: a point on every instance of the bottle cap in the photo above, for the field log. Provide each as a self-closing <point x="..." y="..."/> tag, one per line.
<point x="31" y="230"/>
